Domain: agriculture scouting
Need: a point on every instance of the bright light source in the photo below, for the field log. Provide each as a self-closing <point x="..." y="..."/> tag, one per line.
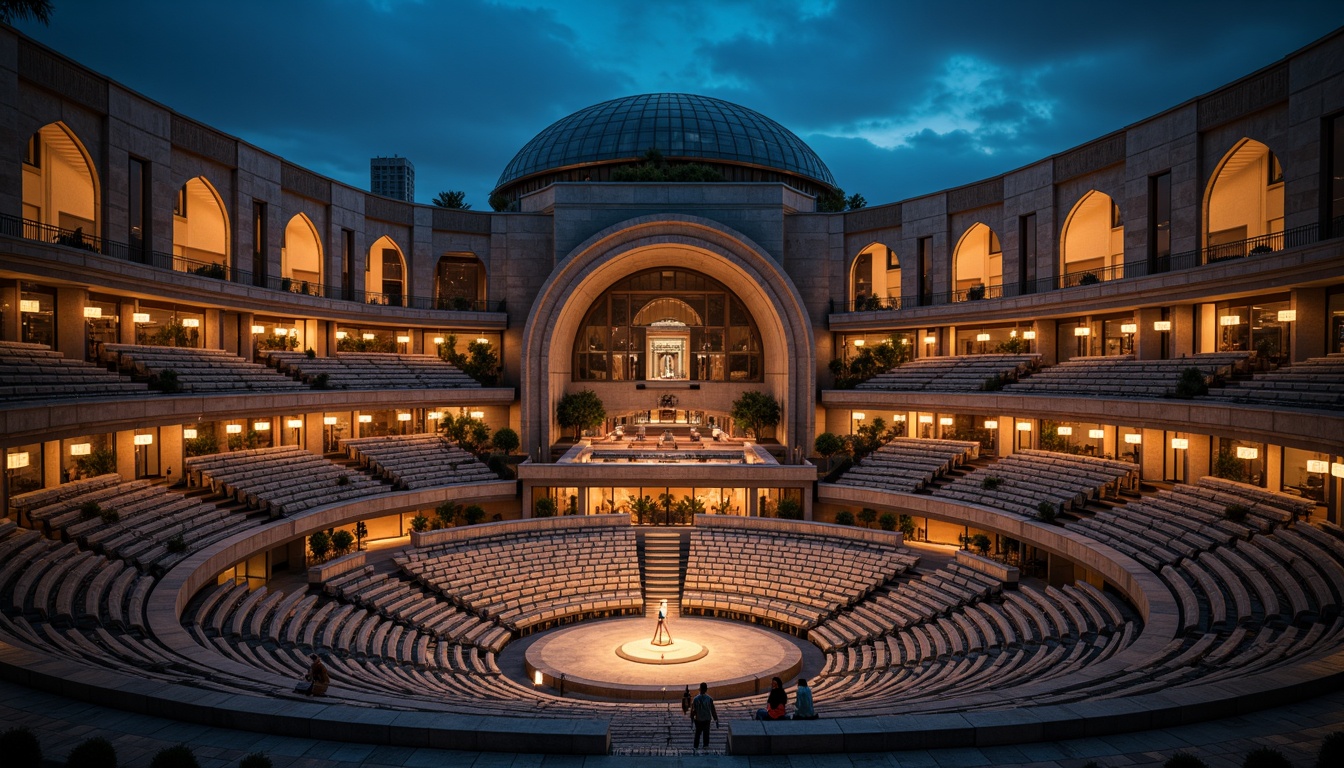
<point x="1230" y="320"/>
<point x="1247" y="453"/>
<point x="403" y="339"/>
<point x="1064" y="430"/>
<point x="261" y="426"/>
<point x="438" y="339"/>
<point x="342" y="335"/>
<point x="369" y="336"/>
<point x="930" y="339"/>
<point x="1024" y="426"/>
<point x="1179" y="443"/>
<point x="858" y="415"/>
<point x="482" y="340"/>
<point x="16" y="460"/>
<point x="536" y="677"/>
<point x="1012" y="334"/>
<point x="477" y="414"/>
<point x="29" y="305"/>
<point x="144" y="439"/>
<point x="139" y="317"/>
<point x="982" y="337"/>
<point x="281" y="332"/>
<point x="1129" y="327"/>
<point x="1318" y="466"/>
<point x="859" y="342"/>
<point x="1162" y="325"/>
<point x="434" y="415"/>
<point x="945" y="421"/>
<point x="1029" y="335"/>
<point x="365" y="418"/>
<point x="991" y="423"/>
<point x="1336" y="470"/>
<point x="294" y="423"/>
<point x="899" y="418"/>
<point x="925" y="419"/>
<point x="93" y="312"/>
<point x="403" y="417"/>
<point x="191" y="322"/>
<point x="1133" y="438"/>
<point x="233" y="429"/>
<point x="84" y="449"/>
<point x="1287" y="315"/>
<point x="189" y="433"/>
<point x="1082" y="330"/>
<point x="256" y="329"/>
<point x="330" y="421"/>
<point x="1096" y="434"/>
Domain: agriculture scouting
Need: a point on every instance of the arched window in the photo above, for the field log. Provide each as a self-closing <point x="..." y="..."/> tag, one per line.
<point x="977" y="265"/>
<point x="459" y="282"/>
<point x="301" y="257"/>
<point x="1244" y="203"/>
<point x="200" y="230"/>
<point x="875" y="279"/>
<point x="385" y="274"/>
<point x="668" y="325"/>
<point x="1092" y="245"/>
<point x="60" y="188"/>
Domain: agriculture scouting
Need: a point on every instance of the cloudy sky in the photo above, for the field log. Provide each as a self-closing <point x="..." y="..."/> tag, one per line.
<point x="898" y="98"/>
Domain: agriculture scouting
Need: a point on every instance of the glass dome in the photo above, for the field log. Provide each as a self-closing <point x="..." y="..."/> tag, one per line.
<point x="679" y="125"/>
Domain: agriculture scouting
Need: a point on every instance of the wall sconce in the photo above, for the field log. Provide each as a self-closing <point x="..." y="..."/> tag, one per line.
<point x="1133" y="438"/>
<point x="477" y="414"/>
<point x="369" y="336"/>
<point x="329" y="421"/>
<point x="1179" y="443"/>
<point x="233" y="429"/>
<point x="438" y="339"/>
<point x="1317" y="466"/>
<point x="139" y="317"/>
<point x="189" y="433"/>
<point x="858" y="415"/>
<point x="261" y="426"/>
<point x="434" y="415"/>
<point x="982" y="337"/>
<point x="340" y="335"/>
<point x="483" y="340"/>
<point x="1065" y="430"/>
<point x="16" y="460"/>
<point x="1082" y="330"/>
<point x="281" y="332"/>
<point x="294" y="423"/>
<point x="945" y="421"/>
<point x="365" y="418"/>
<point x="991" y="423"/>
<point x="144" y="440"/>
<point x="93" y="313"/>
<point x="859" y="342"/>
<point x="1129" y="327"/>
<point x="258" y="329"/>
<point x="403" y="339"/>
<point x="1230" y="320"/>
<point x="1336" y="470"/>
<point x="403" y="417"/>
<point x="29" y="305"/>
<point x="898" y="418"/>
<point x="1162" y="325"/>
<point x="191" y="322"/>
<point x="930" y="339"/>
<point x="84" y="449"/>
<point x="1248" y="454"/>
<point x="1096" y="434"/>
<point x="925" y="419"/>
<point x="1024" y="426"/>
<point x="1029" y="335"/>
<point x="1287" y="315"/>
<point x="1012" y="334"/>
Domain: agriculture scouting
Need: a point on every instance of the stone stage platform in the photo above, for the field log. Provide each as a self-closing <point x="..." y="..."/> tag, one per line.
<point x="614" y="658"/>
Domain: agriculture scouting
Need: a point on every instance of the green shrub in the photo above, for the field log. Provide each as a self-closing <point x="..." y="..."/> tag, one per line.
<point x="545" y="507"/>
<point x="343" y="480"/>
<point x="255" y="760"/>
<point x="1265" y="757"/>
<point x="887" y="522"/>
<point x="790" y="509"/>
<point x="89" y="510"/>
<point x="21" y="748"/>
<point x="419" y="523"/>
<point x="311" y="354"/>
<point x="110" y="515"/>
<point x="319" y="544"/>
<point x="342" y="541"/>
<point x="867" y="516"/>
<point x="92" y="753"/>
<point x="1332" y="751"/>
<point x="179" y="756"/>
<point x="1237" y="513"/>
<point x="1046" y="511"/>
<point x="991" y="482"/>
<point x="844" y="517"/>
<point x="1191" y="384"/>
<point x="176" y="544"/>
<point x="993" y="383"/>
<point x="322" y="381"/>
<point x="906" y="525"/>
<point x="473" y="514"/>
<point x="100" y="462"/>
<point x="1184" y="760"/>
<point x="506" y="440"/>
<point x="166" y="381"/>
<point x="980" y="543"/>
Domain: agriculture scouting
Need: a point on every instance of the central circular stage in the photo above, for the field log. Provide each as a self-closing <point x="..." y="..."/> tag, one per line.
<point x="615" y="658"/>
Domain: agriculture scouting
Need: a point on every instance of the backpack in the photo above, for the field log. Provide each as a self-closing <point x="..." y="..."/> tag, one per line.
<point x="702" y="708"/>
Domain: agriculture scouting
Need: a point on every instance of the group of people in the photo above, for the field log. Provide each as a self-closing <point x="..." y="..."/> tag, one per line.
<point x="701" y="711"/>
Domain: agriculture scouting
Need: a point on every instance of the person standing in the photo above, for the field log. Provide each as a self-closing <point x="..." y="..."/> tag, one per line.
<point x="702" y="711"/>
<point x="775" y="702"/>
<point x="802" y="702"/>
<point x="317" y="677"/>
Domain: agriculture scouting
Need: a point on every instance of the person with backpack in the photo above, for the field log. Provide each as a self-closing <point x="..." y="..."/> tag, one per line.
<point x="702" y="711"/>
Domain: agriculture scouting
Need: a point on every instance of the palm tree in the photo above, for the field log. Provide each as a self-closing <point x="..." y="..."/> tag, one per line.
<point x="643" y="508"/>
<point x="691" y="507"/>
<point x="666" y="500"/>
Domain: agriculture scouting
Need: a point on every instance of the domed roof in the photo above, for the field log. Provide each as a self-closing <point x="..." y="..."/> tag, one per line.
<point x="679" y="125"/>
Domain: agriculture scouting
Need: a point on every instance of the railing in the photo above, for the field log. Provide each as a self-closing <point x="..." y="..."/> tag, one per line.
<point x="28" y="229"/>
<point x="1218" y="254"/>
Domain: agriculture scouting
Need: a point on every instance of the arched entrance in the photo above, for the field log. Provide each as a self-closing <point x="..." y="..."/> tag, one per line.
<point x="200" y="230"/>
<point x="301" y="257"/>
<point x="1243" y="208"/>
<point x="977" y="265"/>
<point x="60" y="187"/>
<point x="386" y="281"/>
<point x="1092" y="245"/>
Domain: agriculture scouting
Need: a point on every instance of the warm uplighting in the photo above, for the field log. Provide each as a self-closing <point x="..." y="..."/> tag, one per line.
<point x="191" y="322"/>
<point x="1029" y="335"/>
<point x="30" y="305"/>
<point x="536" y="677"/>
<point x="93" y="313"/>
<point x="930" y="339"/>
<point x="261" y="426"/>
<point x="233" y="429"/>
<point x="925" y="419"/>
<point x="1179" y="443"/>
<point x="1318" y="466"/>
<point x="84" y="449"/>
<point x="16" y="460"/>
<point x="1230" y="320"/>
<point x="257" y="329"/>
<point x="438" y="339"/>
<point x="1024" y="426"/>
<point x="1082" y="330"/>
<point x="330" y="421"/>
<point x="1247" y="453"/>
<point x="434" y="415"/>
<point x="1065" y="431"/>
<point x="1287" y="315"/>
<point x="403" y="417"/>
<point x="858" y="342"/>
<point x="189" y="433"/>
<point x="342" y="335"/>
<point x="1162" y="325"/>
<point x="1129" y="327"/>
<point x="991" y="423"/>
<point x="945" y="421"/>
<point x="982" y="337"/>
<point x="365" y="418"/>
<point x="1133" y="438"/>
<point x="140" y="317"/>
<point x="294" y="423"/>
<point x="1096" y="434"/>
<point x="858" y="416"/>
<point x="144" y="439"/>
<point x="403" y="339"/>
<point x="477" y="414"/>
<point x="369" y="336"/>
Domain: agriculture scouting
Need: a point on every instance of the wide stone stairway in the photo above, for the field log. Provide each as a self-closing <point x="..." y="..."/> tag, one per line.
<point x="662" y="567"/>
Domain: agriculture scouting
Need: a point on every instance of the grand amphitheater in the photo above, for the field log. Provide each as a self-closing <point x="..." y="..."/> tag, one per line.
<point x="1092" y="413"/>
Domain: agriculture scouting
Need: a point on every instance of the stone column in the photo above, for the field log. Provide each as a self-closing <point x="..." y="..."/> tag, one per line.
<point x="51" y="463"/>
<point x="9" y="304"/>
<point x="71" y="336"/>
<point x="171" y="456"/>
<point x="1148" y="342"/>
<point x="125" y="441"/>
<point x="1184" y="330"/>
<point x="1309" y="334"/>
<point x="126" y="322"/>
<point x="1045" y="344"/>
<point x="242" y="342"/>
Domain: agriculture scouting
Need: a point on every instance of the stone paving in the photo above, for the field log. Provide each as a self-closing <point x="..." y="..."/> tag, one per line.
<point x="61" y="723"/>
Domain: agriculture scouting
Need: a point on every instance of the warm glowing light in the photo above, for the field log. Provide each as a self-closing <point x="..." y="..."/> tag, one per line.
<point x="438" y="339"/>
<point x="1064" y="430"/>
<point x="29" y="305"/>
<point x="1029" y="335"/>
<point x="16" y="460"/>
<point x="477" y="414"/>
<point x="945" y="421"/>
<point x="140" y="317"/>
<point x="403" y="417"/>
<point x="84" y="449"/>
<point x="1336" y="470"/>
<point x="482" y="340"/>
<point x="369" y="336"/>
<point x="261" y="426"/>
<point x="281" y="332"/>
<point x="93" y="312"/>
<point x="991" y="423"/>
<point x="982" y="337"/>
<point x="1024" y="426"/>
<point x="925" y="419"/>
<point x="1133" y="438"/>
<point x="294" y="423"/>
<point x="858" y="415"/>
<point x="899" y="418"/>
<point x="1287" y="315"/>
<point x="1179" y="443"/>
<point x="1013" y="333"/>
<point x="1230" y="320"/>
<point x="365" y="418"/>
<point x="1082" y="330"/>
<point x="1162" y="325"/>
<point x="233" y="429"/>
<point x="859" y="342"/>
<point x="1129" y="327"/>
<point x="1318" y="466"/>
<point x="930" y="339"/>
<point x="536" y="677"/>
<point x="1096" y="434"/>
<point x="189" y="433"/>
<point x="434" y="415"/>
<point x="1247" y="453"/>
<point x="342" y="335"/>
<point x="258" y="329"/>
<point x="330" y="421"/>
<point x="403" y="339"/>
<point x="191" y="322"/>
<point x="144" y="439"/>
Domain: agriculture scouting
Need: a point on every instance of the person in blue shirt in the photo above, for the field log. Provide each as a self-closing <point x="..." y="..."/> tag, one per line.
<point x="802" y="702"/>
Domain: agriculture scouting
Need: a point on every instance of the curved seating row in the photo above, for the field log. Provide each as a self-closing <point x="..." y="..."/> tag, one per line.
<point x="960" y="373"/>
<point x="907" y="464"/>
<point x="1020" y="482"/>
<point x="285" y="479"/>
<point x="418" y="461"/>
<point x="196" y="370"/>
<point x="37" y="372"/>
<point x="373" y="370"/>
<point x="1317" y="382"/>
<point x="1123" y="376"/>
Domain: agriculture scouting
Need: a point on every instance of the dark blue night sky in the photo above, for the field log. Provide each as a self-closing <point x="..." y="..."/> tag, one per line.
<point x="899" y="99"/>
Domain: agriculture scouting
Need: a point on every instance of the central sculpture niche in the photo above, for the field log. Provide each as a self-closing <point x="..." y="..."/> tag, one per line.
<point x="668" y="351"/>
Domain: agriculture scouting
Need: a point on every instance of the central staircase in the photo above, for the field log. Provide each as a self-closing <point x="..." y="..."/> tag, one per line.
<point x="662" y="567"/>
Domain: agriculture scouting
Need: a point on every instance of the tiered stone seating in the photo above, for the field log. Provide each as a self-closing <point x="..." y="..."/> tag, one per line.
<point x="1314" y="383"/>
<point x="1123" y="376"/>
<point x="532" y="581"/>
<point x="411" y="604"/>
<point x="792" y="585"/>
<point x="37" y="372"/>
<point x="907" y="464"/>
<point x="373" y="370"/>
<point x="198" y="370"/>
<point x="285" y="480"/>
<point x="1027" y="478"/>
<point x="418" y="461"/>
<point x="25" y="503"/>
<point x="962" y="373"/>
